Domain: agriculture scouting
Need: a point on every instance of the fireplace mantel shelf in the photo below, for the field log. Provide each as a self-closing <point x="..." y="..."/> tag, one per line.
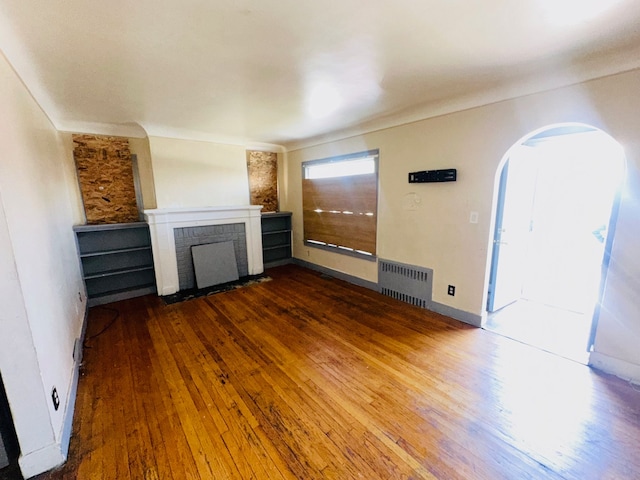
<point x="163" y="221"/>
<point x="164" y="215"/>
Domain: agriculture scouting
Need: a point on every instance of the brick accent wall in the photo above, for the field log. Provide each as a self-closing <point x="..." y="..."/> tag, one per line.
<point x="190" y="236"/>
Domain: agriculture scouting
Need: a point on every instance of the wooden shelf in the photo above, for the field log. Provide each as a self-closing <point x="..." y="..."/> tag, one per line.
<point x="110" y="252"/>
<point x="264" y="249"/>
<point x="276" y="238"/>
<point x="122" y="294"/>
<point x="117" y="272"/>
<point x="117" y="261"/>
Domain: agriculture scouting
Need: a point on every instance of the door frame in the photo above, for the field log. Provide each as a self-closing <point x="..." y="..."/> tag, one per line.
<point x="496" y="208"/>
<point x="495" y="247"/>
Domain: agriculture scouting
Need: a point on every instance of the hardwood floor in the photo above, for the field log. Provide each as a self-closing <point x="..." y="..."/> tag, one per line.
<point x="549" y="328"/>
<point x="309" y="377"/>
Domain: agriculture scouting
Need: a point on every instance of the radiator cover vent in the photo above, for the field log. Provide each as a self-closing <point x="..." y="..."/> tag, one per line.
<point x="407" y="283"/>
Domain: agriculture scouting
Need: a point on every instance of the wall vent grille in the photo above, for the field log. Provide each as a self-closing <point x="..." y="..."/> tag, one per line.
<point x="407" y="283"/>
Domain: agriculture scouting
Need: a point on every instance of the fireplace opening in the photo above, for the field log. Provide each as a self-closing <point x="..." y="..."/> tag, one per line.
<point x="188" y="237"/>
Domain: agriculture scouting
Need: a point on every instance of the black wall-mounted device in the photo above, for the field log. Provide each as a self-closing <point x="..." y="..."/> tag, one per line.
<point x="431" y="176"/>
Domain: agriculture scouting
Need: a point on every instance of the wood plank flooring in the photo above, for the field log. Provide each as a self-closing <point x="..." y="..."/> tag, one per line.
<point x="309" y="377"/>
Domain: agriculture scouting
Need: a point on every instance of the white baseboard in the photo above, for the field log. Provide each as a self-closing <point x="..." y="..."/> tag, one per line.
<point x="54" y="455"/>
<point x="41" y="460"/>
<point x="615" y="366"/>
<point x="67" y="425"/>
<point x="460" y="315"/>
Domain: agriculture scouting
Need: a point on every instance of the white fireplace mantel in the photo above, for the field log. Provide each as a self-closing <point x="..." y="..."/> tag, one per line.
<point x="163" y="221"/>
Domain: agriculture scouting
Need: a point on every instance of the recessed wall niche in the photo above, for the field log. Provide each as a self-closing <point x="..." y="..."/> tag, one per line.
<point x="105" y="175"/>
<point x="263" y="179"/>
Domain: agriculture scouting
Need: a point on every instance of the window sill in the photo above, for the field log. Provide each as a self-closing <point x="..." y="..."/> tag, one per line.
<point x="342" y="251"/>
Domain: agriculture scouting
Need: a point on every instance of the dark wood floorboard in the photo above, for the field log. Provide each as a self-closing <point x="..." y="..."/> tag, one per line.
<point x="308" y="377"/>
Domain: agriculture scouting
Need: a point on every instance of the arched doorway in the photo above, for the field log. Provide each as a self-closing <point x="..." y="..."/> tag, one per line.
<point x="558" y="194"/>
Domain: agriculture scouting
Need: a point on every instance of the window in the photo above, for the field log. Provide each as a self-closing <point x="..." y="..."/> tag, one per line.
<point x="340" y="203"/>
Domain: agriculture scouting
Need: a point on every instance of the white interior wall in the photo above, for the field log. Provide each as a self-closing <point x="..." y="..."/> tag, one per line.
<point x="45" y="293"/>
<point x="41" y="308"/>
<point x="18" y="358"/>
<point x="191" y="173"/>
<point x="437" y="234"/>
<point x="140" y="147"/>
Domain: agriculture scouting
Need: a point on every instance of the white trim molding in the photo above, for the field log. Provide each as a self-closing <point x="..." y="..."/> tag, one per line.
<point x="615" y="366"/>
<point x="41" y="460"/>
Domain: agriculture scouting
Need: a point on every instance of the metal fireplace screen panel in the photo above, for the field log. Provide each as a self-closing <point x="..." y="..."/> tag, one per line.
<point x="214" y="263"/>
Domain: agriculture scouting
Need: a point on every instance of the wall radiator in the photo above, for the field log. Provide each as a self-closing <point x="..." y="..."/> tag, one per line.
<point x="407" y="283"/>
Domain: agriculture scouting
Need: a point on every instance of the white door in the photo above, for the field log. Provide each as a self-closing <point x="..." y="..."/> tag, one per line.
<point x="572" y="210"/>
<point x="513" y="225"/>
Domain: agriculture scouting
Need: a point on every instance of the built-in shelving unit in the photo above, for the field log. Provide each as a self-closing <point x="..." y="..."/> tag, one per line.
<point x="276" y="238"/>
<point x="117" y="262"/>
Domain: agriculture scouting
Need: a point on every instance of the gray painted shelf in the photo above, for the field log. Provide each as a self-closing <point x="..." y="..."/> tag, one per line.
<point x="276" y="238"/>
<point x="117" y="262"/>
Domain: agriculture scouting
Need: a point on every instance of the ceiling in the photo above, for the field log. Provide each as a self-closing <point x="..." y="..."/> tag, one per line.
<point x="288" y="72"/>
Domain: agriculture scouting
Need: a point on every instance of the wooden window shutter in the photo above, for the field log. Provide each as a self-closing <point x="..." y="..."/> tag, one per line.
<point x="341" y="211"/>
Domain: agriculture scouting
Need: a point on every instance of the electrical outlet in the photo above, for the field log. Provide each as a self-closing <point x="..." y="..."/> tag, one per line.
<point x="55" y="398"/>
<point x="451" y="290"/>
